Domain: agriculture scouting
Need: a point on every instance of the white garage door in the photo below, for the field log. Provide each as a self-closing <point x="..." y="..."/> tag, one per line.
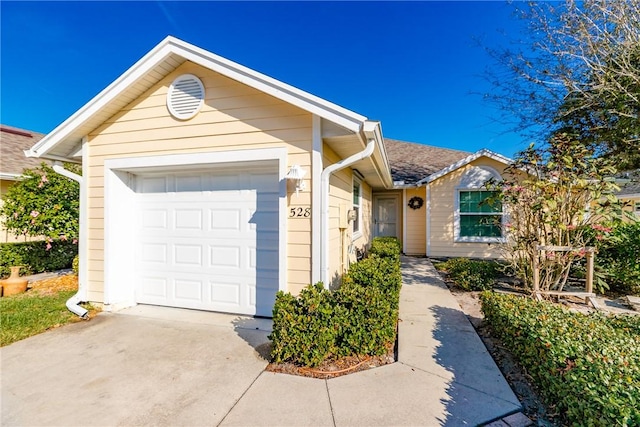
<point x="208" y="240"/>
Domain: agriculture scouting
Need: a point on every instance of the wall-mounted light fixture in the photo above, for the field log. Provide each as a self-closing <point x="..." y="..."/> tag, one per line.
<point x="296" y="173"/>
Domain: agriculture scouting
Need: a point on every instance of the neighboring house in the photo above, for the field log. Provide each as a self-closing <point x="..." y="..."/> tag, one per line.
<point x="13" y="142"/>
<point x="208" y="185"/>
<point x="629" y="193"/>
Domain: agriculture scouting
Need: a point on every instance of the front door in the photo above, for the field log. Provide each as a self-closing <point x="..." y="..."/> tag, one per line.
<point x="386" y="216"/>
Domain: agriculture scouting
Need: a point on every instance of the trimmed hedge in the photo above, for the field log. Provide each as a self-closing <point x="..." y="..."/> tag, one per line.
<point x="472" y="275"/>
<point x="359" y="318"/>
<point x="34" y="256"/>
<point x="587" y="366"/>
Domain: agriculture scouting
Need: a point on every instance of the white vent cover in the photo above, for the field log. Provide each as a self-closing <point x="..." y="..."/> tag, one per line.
<point x="185" y="97"/>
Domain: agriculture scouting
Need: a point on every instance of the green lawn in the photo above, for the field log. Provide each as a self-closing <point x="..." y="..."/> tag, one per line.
<point x="25" y="315"/>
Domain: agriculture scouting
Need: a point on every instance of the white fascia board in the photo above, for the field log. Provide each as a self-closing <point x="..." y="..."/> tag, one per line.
<point x="171" y="45"/>
<point x="11" y="176"/>
<point x="481" y="153"/>
<point x="315" y="105"/>
<point x="373" y="130"/>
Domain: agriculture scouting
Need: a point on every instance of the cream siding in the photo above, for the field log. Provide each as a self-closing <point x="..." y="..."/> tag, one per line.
<point x="233" y="116"/>
<point x="416" y="223"/>
<point x="443" y="193"/>
<point x="340" y="202"/>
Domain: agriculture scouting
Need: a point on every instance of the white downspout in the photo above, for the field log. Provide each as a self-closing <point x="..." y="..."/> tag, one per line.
<point x="72" y="303"/>
<point x="324" y="205"/>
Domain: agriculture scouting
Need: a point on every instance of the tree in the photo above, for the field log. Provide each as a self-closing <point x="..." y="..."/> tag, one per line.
<point x="44" y="203"/>
<point x="557" y="195"/>
<point x="578" y="70"/>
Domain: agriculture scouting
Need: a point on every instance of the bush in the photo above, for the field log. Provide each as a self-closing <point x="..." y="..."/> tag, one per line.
<point x="75" y="265"/>
<point x="587" y="366"/>
<point x="359" y="318"/>
<point x="618" y="257"/>
<point x="472" y="275"/>
<point x="35" y="257"/>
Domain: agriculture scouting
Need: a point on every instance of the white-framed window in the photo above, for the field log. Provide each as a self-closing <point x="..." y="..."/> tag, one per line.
<point x="357" y="204"/>
<point x="479" y="214"/>
<point x="636" y="208"/>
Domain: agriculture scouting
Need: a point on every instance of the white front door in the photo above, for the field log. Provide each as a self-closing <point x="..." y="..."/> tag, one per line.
<point x="386" y="216"/>
<point x="208" y="240"/>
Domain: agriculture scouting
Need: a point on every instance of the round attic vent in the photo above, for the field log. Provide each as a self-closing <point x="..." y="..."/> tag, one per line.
<point x="185" y="97"/>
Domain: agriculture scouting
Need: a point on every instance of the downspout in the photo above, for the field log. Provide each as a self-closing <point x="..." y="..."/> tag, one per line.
<point x="324" y="205"/>
<point x="73" y="302"/>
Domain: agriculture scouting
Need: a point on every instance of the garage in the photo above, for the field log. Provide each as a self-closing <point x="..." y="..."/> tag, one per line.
<point x="208" y="239"/>
<point x="206" y="236"/>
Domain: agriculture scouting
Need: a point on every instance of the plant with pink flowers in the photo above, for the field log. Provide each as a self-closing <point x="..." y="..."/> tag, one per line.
<point x="43" y="204"/>
<point x="557" y="195"/>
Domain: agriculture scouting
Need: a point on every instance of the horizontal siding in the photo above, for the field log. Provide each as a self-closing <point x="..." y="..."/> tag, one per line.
<point x="442" y="217"/>
<point x="233" y="117"/>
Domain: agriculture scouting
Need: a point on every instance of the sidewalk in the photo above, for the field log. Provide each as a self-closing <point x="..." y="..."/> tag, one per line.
<point x="161" y="366"/>
<point x="444" y="375"/>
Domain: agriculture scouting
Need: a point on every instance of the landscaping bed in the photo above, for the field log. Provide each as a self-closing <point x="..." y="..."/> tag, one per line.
<point x="599" y="384"/>
<point x="324" y="333"/>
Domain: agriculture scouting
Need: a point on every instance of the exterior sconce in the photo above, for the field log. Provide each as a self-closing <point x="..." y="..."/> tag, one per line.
<point x="296" y="173"/>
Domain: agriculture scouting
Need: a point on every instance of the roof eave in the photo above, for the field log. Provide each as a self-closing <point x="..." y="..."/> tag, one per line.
<point x="480" y="153"/>
<point x="170" y="45"/>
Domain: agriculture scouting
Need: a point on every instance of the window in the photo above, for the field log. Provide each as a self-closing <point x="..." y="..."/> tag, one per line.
<point x="636" y="208"/>
<point x="357" y="198"/>
<point x="480" y="214"/>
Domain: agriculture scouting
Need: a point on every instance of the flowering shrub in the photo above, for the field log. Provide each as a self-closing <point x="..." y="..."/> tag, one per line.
<point x="43" y="204"/>
<point x="555" y="196"/>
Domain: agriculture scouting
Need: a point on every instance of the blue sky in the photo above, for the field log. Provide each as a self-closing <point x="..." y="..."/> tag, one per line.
<point x="412" y="65"/>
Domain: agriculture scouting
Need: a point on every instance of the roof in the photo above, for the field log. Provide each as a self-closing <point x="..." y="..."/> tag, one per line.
<point x="65" y="140"/>
<point x="465" y="161"/>
<point x="629" y="182"/>
<point x="410" y="162"/>
<point x="13" y="143"/>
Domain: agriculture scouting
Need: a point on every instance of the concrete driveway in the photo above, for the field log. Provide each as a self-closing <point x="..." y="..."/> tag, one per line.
<point x="141" y="366"/>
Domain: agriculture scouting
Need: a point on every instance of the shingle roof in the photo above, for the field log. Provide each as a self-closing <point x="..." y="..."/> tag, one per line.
<point x="410" y="162"/>
<point x="12" y="143"/>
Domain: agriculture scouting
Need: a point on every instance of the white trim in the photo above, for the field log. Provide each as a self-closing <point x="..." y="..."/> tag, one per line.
<point x="118" y="186"/>
<point x="404" y="220"/>
<point x="481" y="153"/>
<point x="173" y="46"/>
<point x="428" y="219"/>
<point x="83" y="225"/>
<point x="355" y="178"/>
<point x="11" y="176"/>
<point x="316" y="189"/>
<point x="456" y="221"/>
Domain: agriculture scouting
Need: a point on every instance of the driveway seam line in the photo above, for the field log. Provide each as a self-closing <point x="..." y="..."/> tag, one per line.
<point x="240" y="398"/>
<point x="333" y="417"/>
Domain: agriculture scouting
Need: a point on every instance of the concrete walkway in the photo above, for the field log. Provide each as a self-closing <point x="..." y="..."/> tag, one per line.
<point x="161" y="366"/>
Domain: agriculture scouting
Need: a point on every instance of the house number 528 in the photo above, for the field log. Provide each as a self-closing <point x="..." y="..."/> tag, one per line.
<point x="299" y="212"/>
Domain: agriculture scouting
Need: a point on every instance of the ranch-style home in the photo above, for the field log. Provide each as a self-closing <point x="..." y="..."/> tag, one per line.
<point x="211" y="186"/>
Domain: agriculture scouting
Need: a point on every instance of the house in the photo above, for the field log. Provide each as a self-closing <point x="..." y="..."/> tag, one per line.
<point x="208" y="185"/>
<point x="13" y="142"/>
<point x="629" y="194"/>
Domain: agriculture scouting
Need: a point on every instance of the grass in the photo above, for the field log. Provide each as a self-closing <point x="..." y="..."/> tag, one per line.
<point x="34" y="312"/>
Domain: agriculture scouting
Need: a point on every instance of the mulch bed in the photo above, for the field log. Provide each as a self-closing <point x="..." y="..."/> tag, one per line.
<point x="335" y="367"/>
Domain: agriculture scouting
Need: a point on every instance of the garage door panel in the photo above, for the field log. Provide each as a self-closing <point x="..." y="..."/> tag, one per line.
<point x="209" y="241"/>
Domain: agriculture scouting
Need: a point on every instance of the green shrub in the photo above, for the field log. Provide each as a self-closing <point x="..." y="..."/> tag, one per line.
<point x="357" y="319"/>
<point x="587" y="366"/>
<point x="35" y="257"/>
<point x="618" y="258"/>
<point x="472" y="275"/>
<point x="75" y="265"/>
